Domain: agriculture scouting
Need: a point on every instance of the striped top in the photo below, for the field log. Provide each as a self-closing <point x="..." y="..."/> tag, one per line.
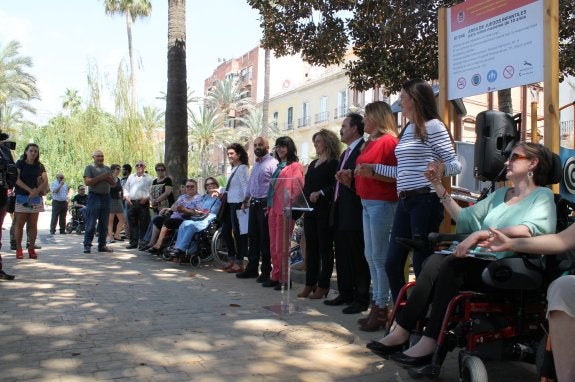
<point x="413" y="155"/>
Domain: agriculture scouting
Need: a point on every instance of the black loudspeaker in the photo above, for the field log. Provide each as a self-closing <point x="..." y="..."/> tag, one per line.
<point x="497" y="133"/>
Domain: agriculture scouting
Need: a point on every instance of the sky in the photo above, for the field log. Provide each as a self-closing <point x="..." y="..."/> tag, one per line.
<point x="62" y="37"/>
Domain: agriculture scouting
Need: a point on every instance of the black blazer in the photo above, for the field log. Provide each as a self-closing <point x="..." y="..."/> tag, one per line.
<point x="347" y="210"/>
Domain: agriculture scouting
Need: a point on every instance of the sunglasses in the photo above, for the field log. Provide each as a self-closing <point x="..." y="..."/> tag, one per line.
<point x="139" y="165"/>
<point x="513" y="157"/>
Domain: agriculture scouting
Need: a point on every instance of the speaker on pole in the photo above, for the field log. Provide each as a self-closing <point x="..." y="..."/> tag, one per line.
<point x="497" y="133"/>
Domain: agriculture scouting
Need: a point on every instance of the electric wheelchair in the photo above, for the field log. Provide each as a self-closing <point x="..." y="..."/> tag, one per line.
<point x="506" y="318"/>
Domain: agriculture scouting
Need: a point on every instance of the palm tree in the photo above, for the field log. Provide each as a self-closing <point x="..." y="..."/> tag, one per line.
<point x="176" y="150"/>
<point x="72" y="100"/>
<point x="132" y="9"/>
<point x="228" y="98"/>
<point x="17" y="86"/>
<point x="252" y="126"/>
<point x="206" y="133"/>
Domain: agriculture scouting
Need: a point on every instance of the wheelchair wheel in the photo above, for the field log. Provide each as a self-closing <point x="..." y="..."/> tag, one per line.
<point x="472" y="369"/>
<point x="69" y="227"/>
<point x="195" y="261"/>
<point x="219" y="250"/>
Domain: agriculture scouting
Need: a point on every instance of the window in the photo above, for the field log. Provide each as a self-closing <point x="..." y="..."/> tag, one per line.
<point x="275" y="120"/>
<point x="323" y="114"/>
<point x="289" y="124"/>
<point x="341" y="109"/>
<point x="304" y="120"/>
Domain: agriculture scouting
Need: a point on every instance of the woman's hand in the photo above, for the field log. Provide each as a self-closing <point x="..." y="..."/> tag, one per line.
<point x="434" y="172"/>
<point x="365" y="170"/>
<point x="314" y="196"/>
<point x="471" y="241"/>
<point x="497" y="241"/>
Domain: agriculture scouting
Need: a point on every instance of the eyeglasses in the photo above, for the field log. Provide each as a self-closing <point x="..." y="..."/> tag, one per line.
<point x="190" y="186"/>
<point x="516" y="156"/>
<point x="139" y="165"/>
<point x="209" y="184"/>
<point x="160" y="169"/>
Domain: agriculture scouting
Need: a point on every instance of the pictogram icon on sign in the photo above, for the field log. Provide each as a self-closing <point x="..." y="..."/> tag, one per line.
<point x="491" y="75"/>
<point x="476" y="79"/>
<point x="461" y="82"/>
<point x="508" y="71"/>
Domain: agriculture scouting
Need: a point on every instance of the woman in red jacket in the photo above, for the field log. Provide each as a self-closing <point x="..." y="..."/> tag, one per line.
<point x="379" y="200"/>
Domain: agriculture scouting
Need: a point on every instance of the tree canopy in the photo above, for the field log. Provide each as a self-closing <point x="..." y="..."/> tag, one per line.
<point x="392" y="40"/>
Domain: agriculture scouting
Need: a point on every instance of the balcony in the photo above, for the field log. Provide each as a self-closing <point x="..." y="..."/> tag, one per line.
<point x="288" y="126"/>
<point x="303" y="122"/>
<point x="321" y="117"/>
<point x="340" y="112"/>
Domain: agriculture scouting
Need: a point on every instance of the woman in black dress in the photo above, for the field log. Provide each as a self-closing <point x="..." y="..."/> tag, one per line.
<point x="319" y="178"/>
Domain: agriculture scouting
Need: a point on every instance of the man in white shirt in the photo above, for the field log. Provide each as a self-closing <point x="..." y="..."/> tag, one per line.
<point x="137" y="197"/>
<point x="59" y="190"/>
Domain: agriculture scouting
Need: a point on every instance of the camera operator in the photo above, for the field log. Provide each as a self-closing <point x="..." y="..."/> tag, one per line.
<point x="7" y="179"/>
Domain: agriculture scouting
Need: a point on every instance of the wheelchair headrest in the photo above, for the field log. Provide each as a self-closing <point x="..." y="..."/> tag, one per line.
<point x="513" y="273"/>
<point x="556" y="172"/>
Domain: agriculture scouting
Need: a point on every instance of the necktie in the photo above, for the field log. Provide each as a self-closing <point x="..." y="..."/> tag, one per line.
<point x="345" y="156"/>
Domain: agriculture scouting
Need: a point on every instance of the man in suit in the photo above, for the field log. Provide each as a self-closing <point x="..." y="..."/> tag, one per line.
<point x="353" y="276"/>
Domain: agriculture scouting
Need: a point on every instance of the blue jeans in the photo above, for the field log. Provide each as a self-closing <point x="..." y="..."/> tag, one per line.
<point x="377" y="222"/>
<point x="185" y="240"/>
<point x="97" y="209"/>
<point x="416" y="215"/>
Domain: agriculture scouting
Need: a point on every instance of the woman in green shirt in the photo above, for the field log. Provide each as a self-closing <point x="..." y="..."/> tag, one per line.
<point x="524" y="210"/>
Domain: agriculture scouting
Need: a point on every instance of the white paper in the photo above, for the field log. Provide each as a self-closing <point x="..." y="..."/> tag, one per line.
<point x="243" y="220"/>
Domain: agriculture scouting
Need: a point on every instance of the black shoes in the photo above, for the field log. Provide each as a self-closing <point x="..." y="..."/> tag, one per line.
<point x="409" y="361"/>
<point x="131" y="246"/>
<point x="6" y="276"/>
<point x="87" y="249"/>
<point x="247" y="275"/>
<point x="262" y="279"/>
<point x="153" y="250"/>
<point x="339" y="300"/>
<point x="104" y="249"/>
<point x="355" y="308"/>
<point x="177" y="253"/>
<point x="383" y="350"/>
<point x="270" y="283"/>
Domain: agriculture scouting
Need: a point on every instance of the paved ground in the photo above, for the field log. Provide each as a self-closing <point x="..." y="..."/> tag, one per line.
<point x="127" y="316"/>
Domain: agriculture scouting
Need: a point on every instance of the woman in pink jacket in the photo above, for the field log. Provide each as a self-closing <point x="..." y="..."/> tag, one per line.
<point x="286" y="181"/>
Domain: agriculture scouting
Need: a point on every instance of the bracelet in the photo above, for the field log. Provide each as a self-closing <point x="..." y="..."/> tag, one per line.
<point x="444" y="197"/>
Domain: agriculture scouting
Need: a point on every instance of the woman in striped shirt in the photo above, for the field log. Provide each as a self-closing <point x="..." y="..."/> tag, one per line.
<point x="423" y="140"/>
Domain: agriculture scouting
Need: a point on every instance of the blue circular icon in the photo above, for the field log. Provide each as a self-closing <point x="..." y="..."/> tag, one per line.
<point x="476" y="79"/>
<point x="492" y="75"/>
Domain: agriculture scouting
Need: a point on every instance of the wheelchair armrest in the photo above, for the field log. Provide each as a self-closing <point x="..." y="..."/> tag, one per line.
<point x="429" y="243"/>
<point x="517" y="272"/>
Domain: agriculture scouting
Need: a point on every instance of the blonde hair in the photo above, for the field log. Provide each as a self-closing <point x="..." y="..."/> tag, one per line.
<point x="380" y="113"/>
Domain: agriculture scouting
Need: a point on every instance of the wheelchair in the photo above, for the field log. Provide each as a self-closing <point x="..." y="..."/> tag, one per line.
<point x="211" y="247"/>
<point x="505" y="319"/>
<point x="77" y="223"/>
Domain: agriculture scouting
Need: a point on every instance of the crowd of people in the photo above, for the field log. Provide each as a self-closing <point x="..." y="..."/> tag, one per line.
<point x="385" y="185"/>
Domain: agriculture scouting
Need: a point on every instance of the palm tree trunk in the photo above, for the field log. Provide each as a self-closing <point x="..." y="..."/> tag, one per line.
<point x="266" y="103"/>
<point x="176" y="150"/>
<point x="504" y="101"/>
<point x="131" y="54"/>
